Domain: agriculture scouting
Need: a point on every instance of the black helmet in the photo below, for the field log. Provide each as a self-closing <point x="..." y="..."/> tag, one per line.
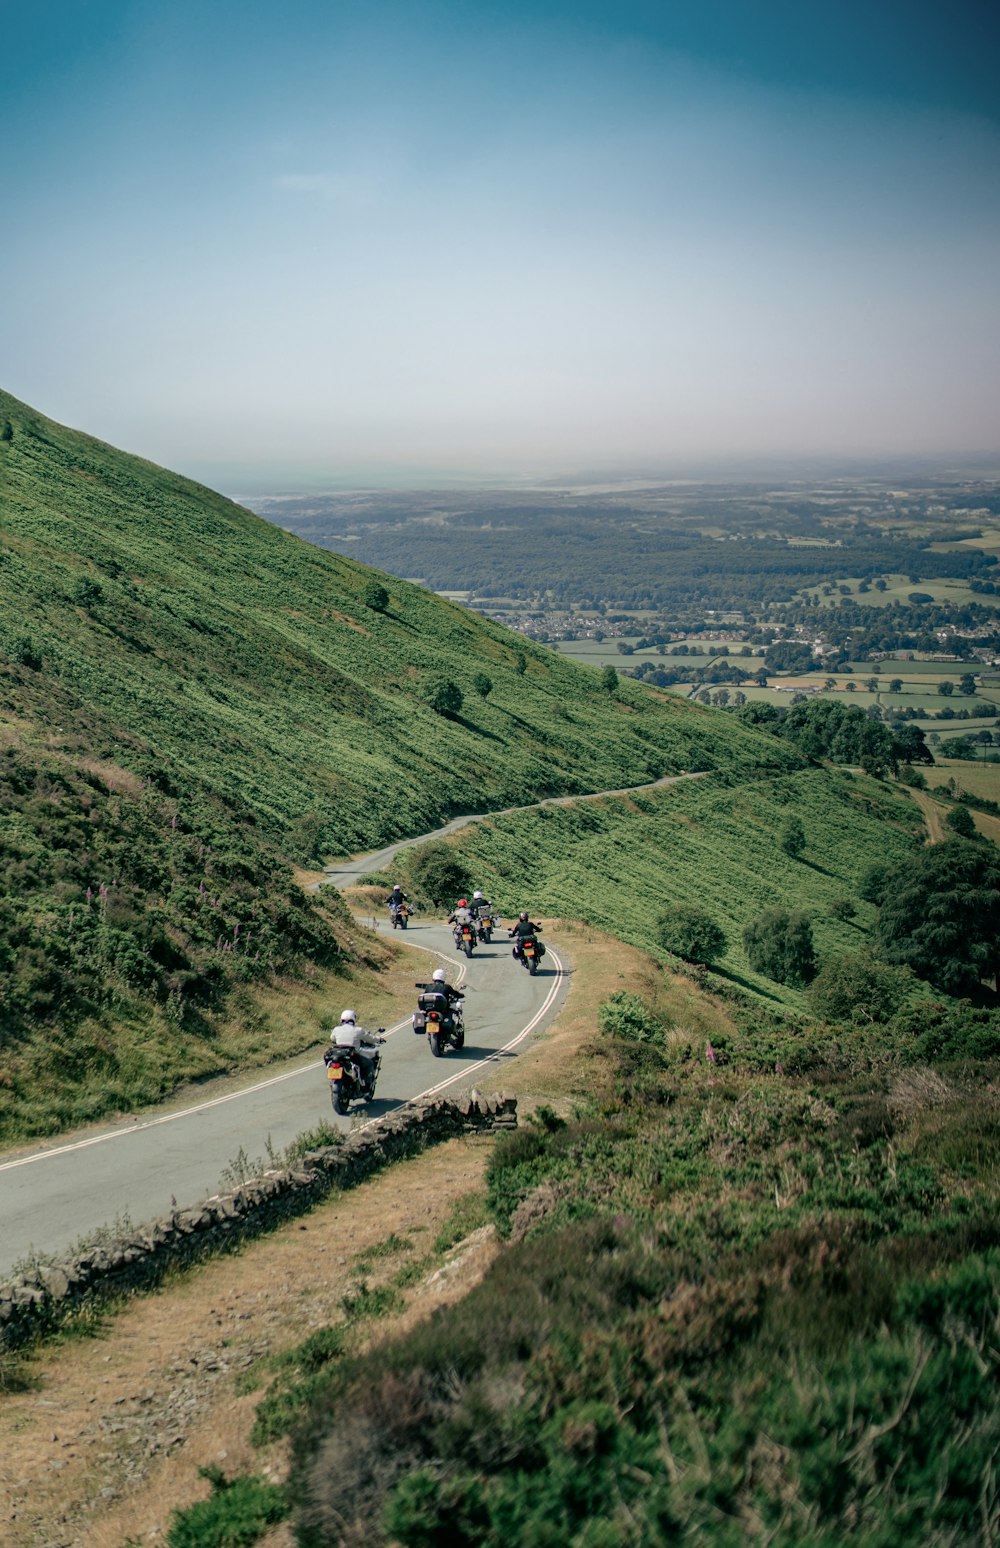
<point x="523" y="914"/>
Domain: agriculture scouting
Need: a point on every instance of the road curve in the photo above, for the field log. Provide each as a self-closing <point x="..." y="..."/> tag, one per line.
<point x="52" y="1195"/>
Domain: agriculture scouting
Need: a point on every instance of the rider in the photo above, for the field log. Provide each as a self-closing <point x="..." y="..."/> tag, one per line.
<point x="364" y="1044"/>
<point x="480" y="905"/>
<point x="522" y="931"/>
<point x="441" y="985"/>
<point x="462" y="914"/>
<point x="397" y="897"/>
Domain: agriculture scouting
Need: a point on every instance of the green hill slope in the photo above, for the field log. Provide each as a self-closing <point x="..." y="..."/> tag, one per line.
<point x="191" y="699"/>
<point x="239" y="655"/>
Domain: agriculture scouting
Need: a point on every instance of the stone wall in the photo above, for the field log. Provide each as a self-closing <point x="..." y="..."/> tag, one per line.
<point x="34" y="1303"/>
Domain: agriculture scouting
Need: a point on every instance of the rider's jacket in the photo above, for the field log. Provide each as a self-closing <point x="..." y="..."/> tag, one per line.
<point x="363" y="1043"/>
<point x="460" y="916"/>
<point x="525" y="927"/>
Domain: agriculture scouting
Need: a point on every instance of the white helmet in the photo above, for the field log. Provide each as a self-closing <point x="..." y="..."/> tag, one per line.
<point x="348" y="1015"/>
<point x="439" y="975"/>
<point x="477" y="893"/>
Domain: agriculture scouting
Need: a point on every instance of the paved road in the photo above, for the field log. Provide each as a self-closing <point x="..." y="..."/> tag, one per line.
<point x="51" y="1196"/>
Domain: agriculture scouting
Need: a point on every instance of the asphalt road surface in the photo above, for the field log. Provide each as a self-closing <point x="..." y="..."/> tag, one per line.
<point x="53" y="1195"/>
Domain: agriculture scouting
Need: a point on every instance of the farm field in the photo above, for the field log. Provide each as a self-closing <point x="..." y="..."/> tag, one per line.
<point x="978" y="779"/>
<point x="898" y="589"/>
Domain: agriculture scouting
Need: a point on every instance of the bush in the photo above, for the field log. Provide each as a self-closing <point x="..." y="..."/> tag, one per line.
<point x="691" y="933"/>
<point x="235" y="1515"/>
<point x="908" y="775"/>
<point x="780" y="945"/>
<point x="483" y="685"/>
<point x="843" y="908"/>
<point x="858" y="987"/>
<point x="960" y="820"/>
<point x="609" y="679"/>
<point x="793" y="837"/>
<point x="438" y="872"/>
<point x="444" y="697"/>
<point x="375" y="596"/>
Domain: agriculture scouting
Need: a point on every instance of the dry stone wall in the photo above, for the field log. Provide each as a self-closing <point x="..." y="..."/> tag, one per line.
<point x="36" y="1302"/>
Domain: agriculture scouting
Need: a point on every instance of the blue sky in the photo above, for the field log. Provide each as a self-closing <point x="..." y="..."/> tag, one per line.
<point x="282" y="246"/>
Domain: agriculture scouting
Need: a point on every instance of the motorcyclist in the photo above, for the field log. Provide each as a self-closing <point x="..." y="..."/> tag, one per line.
<point x="480" y="905"/>
<point x="462" y="914"/>
<point x="439" y="981"/>
<point x="397" y="897"/>
<point x="364" y="1044"/>
<point x="523" y="930"/>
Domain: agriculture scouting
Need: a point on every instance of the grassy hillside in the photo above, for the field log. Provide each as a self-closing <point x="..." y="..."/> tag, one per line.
<point x="190" y="699"/>
<point x="145" y="606"/>
<point x="618" y="863"/>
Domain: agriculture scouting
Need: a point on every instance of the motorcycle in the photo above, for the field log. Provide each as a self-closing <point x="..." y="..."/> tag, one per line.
<point x="443" y="1022"/>
<point x="529" y="951"/>
<point x="465" y="937"/>
<point x="347" y="1078"/>
<point x="484" y="927"/>
<point x="399" y="913"/>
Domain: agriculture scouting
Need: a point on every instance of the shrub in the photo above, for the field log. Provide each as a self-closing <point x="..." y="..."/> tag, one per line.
<point x="444" y="697"/>
<point x="483" y="685"/>
<point x="438" y="872"/>
<point x="843" y="908"/>
<point x="25" y="653"/>
<point x="858" y="987"/>
<point x="960" y="820"/>
<point x="609" y="679"/>
<point x="780" y="945"/>
<point x="86" y="592"/>
<point x="908" y="775"/>
<point x="375" y="596"/>
<point x="793" y="837"/>
<point x="235" y="1514"/>
<point x="691" y="933"/>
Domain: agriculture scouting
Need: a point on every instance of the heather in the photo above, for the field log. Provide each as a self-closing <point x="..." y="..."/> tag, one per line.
<point x="733" y="1307"/>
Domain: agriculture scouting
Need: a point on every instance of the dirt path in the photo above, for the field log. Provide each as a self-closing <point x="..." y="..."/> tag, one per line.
<point x="110" y="1439"/>
<point x="932" y="815"/>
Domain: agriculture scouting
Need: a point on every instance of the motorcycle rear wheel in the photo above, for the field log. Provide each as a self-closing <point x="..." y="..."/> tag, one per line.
<point x="434" y="1039"/>
<point x="339" y="1098"/>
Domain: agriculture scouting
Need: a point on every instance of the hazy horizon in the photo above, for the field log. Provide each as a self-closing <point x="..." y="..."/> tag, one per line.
<point x="344" y="245"/>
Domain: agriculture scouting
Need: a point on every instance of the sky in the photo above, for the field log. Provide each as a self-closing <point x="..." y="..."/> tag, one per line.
<point x="312" y="244"/>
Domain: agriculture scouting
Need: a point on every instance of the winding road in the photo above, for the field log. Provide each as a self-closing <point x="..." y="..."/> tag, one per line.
<point x="52" y="1194"/>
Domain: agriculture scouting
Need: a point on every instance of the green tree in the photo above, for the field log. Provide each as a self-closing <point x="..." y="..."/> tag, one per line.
<point x="895" y="685"/>
<point x="946" y="687"/>
<point x="375" y="596"/>
<point x="780" y="945"/>
<point x="843" y="908"/>
<point x="940" y="914"/>
<point x="858" y="986"/>
<point x="438" y="873"/>
<point x="444" y="697"/>
<point x="691" y="933"/>
<point x="960" y="821"/>
<point x="609" y="679"/>
<point x="793" y="837"/>
<point x="483" y="685"/>
<point x="967" y="684"/>
<point x="957" y="747"/>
